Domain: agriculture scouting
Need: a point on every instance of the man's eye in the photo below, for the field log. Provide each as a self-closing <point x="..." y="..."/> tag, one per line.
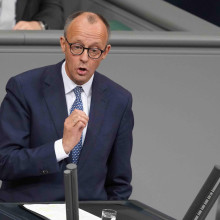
<point x="94" y="50"/>
<point x="77" y="47"/>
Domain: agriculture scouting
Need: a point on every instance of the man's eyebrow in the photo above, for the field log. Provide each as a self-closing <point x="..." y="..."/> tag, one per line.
<point x="77" y="41"/>
<point x="96" y="44"/>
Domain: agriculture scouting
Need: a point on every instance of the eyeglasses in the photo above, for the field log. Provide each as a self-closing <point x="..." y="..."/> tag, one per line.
<point x="78" y="49"/>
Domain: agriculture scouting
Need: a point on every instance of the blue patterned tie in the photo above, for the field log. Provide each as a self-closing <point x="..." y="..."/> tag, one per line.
<point x="77" y="105"/>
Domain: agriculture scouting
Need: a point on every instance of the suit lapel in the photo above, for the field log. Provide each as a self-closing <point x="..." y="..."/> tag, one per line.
<point x="97" y="111"/>
<point x="20" y="7"/>
<point x="54" y="95"/>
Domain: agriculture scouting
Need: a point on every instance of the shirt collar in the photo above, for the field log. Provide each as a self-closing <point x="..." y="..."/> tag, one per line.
<point x="69" y="85"/>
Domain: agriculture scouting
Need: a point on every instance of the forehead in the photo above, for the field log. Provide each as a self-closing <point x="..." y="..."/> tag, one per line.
<point x="81" y="29"/>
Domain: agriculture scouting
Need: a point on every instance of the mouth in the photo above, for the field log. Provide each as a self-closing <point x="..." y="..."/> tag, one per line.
<point x="82" y="71"/>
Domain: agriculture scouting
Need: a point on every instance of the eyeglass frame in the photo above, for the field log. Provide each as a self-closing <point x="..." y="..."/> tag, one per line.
<point x="85" y="48"/>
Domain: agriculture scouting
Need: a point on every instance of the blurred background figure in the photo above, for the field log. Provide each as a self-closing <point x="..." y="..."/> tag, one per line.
<point x="31" y="14"/>
<point x="207" y="10"/>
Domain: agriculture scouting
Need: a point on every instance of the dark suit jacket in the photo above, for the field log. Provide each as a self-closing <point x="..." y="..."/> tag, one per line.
<point x="32" y="118"/>
<point x="47" y="11"/>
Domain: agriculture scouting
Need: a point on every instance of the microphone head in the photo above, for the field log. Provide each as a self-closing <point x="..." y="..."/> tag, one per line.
<point x="71" y="166"/>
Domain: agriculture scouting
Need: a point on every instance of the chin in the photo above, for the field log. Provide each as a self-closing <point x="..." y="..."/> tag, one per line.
<point x="80" y="81"/>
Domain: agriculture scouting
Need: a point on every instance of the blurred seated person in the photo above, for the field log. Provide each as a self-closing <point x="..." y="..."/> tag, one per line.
<point x="31" y="14"/>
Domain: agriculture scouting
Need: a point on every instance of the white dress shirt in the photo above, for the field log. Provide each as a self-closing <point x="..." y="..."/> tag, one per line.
<point x="7" y="14"/>
<point x="86" y="95"/>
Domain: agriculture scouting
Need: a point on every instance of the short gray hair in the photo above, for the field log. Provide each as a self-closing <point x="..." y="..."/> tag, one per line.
<point x="92" y="18"/>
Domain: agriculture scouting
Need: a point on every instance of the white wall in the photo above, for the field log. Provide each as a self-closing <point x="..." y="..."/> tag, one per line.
<point x="176" y="107"/>
<point x="177" y="125"/>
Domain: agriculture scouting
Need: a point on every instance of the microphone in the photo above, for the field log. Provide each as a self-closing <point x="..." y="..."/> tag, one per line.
<point x="71" y="192"/>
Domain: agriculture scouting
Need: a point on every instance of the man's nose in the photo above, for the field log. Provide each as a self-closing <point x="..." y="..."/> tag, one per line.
<point x="84" y="56"/>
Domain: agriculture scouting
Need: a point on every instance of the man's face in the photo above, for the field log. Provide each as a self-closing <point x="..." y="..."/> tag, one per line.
<point x="80" y="68"/>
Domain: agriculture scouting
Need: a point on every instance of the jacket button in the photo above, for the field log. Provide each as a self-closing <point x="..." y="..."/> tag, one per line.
<point x="45" y="172"/>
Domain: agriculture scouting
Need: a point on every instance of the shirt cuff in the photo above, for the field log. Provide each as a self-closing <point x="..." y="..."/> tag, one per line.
<point x="59" y="151"/>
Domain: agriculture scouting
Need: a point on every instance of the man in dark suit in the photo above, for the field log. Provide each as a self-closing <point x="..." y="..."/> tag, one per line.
<point x="38" y="14"/>
<point x="40" y="131"/>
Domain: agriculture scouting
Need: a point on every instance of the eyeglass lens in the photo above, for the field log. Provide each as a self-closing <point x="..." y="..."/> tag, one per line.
<point x="92" y="52"/>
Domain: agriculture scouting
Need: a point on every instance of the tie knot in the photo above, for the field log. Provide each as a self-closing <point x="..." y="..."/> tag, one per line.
<point x="78" y="91"/>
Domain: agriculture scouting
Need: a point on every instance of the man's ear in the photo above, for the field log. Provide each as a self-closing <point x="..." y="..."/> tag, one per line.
<point x="62" y="44"/>
<point x="108" y="47"/>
